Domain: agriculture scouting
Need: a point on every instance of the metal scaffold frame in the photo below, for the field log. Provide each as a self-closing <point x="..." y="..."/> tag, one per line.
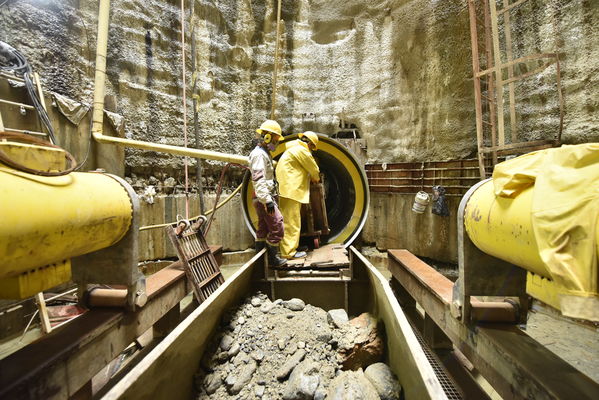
<point x="490" y="84"/>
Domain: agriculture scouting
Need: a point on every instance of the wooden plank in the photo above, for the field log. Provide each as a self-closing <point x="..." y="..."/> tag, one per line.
<point x="40" y="92"/>
<point x="498" y="75"/>
<point x="329" y="256"/>
<point x="509" y="7"/>
<point x="495" y="68"/>
<point x="513" y="363"/>
<point x="321" y="255"/>
<point x="477" y="89"/>
<point x="560" y="96"/>
<point x="492" y="102"/>
<point x="43" y="311"/>
<point x="529" y="73"/>
<point x="520" y="145"/>
<point x="62" y="362"/>
<point x="510" y="70"/>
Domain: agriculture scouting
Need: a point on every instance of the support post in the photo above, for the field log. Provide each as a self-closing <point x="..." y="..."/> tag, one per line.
<point x="276" y="64"/>
<point x="43" y="311"/>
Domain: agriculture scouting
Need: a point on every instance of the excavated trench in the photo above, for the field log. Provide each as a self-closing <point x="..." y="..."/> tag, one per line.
<point x="292" y="350"/>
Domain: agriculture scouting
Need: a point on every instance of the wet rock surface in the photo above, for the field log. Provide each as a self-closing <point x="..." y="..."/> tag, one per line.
<point x="287" y="349"/>
<point x="383" y="380"/>
<point x="415" y="102"/>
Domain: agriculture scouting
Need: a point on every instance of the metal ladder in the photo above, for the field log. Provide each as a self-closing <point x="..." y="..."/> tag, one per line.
<point x="494" y="138"/>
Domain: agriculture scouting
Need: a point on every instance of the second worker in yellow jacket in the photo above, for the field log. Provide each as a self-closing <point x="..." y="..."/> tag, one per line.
<point x="295" y="169"/>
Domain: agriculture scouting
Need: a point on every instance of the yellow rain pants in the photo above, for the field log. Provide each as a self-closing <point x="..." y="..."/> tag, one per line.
<point x="293" y="223"/>
<point x="294" y="170"/>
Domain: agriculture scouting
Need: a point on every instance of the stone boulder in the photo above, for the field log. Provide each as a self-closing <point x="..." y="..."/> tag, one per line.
<point x="303" y="382"/>
<point x="351" y="385"/>
<point x="337" y="317"/>
<point x="384" y="381"/>
<point x="240" y="377"/>
<point x="361" y="344"/>
<point x="290" y="364"/>
<point x="294" y="304"/>
<point x="212" y="382"/>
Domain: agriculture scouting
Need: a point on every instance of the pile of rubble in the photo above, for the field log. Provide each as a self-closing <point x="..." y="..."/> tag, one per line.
<point x="293" y="351"/>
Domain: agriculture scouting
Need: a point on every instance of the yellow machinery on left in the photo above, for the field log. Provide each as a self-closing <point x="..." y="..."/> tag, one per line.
<point x="80" y="226"/>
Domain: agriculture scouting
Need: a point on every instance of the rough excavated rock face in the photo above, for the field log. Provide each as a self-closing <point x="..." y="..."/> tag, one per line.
<point x="399" y="72"/>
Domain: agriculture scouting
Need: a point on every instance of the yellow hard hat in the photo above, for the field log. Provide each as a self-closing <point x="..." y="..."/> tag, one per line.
<point x="312" y="137"/>
<point x="270" y="126"/>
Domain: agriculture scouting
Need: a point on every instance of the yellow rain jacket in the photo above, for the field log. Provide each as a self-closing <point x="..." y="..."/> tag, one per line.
<point x="565" y="217"/>
<point x="294" y="169"/>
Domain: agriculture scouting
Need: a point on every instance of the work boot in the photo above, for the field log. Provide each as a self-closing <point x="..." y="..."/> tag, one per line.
<point x="273" y="258"/>
<point x="300" y="254"/>
<point x="259" y="245"/>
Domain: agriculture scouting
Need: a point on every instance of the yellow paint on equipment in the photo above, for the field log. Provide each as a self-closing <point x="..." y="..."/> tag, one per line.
<point x="46" y="220"/>
<point x="543" y="289"/>
<point x="502" y="227"/>
<point x="34" y="281"/>
<point x="36" y="157"/>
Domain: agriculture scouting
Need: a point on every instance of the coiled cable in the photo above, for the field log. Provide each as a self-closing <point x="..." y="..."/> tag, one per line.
<point x="11" y="60"/>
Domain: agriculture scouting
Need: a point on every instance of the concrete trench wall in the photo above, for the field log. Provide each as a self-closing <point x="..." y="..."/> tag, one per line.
<point x="392" y="224"/>
<point x="228" y="227"/>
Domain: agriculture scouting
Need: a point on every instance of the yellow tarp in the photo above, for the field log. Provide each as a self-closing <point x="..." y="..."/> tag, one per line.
<point x="565" y="217"/>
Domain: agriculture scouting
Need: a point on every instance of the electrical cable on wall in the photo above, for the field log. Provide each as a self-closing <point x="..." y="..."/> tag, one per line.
<point x="11" y="60"/>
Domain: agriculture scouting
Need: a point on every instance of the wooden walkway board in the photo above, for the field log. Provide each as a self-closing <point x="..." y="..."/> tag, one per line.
<point x="327" y="257"/>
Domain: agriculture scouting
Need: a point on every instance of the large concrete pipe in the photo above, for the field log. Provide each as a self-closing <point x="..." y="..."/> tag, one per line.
<point x="346" y="191"/>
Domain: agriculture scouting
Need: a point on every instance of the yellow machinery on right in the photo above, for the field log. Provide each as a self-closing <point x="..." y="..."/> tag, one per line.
<point x="533" y="228"/>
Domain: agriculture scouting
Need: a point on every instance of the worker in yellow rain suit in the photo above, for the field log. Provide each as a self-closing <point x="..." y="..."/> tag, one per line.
<point x="295" y="169"/>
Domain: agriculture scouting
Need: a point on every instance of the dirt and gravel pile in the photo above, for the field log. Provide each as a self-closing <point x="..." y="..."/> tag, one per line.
<point x="294" y="351"/>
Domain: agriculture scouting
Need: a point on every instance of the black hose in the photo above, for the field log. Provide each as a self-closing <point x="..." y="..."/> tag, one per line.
<point x="11" y="60"/>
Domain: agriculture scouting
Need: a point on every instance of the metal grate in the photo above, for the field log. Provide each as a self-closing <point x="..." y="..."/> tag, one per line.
<point x="200" y="265"/>
<point x="448" y="385"/>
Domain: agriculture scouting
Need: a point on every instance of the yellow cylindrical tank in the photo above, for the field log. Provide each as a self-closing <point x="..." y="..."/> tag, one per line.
<point x="502" y="227"/>
<point x="44" y="220"/>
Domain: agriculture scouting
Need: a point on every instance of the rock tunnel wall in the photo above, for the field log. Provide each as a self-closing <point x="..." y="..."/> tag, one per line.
<point x="399" y="71"/>
<point x="396" y="72"/>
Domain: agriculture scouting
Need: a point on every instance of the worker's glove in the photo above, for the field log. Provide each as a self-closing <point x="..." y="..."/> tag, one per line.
<point x="270" y="208"/>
